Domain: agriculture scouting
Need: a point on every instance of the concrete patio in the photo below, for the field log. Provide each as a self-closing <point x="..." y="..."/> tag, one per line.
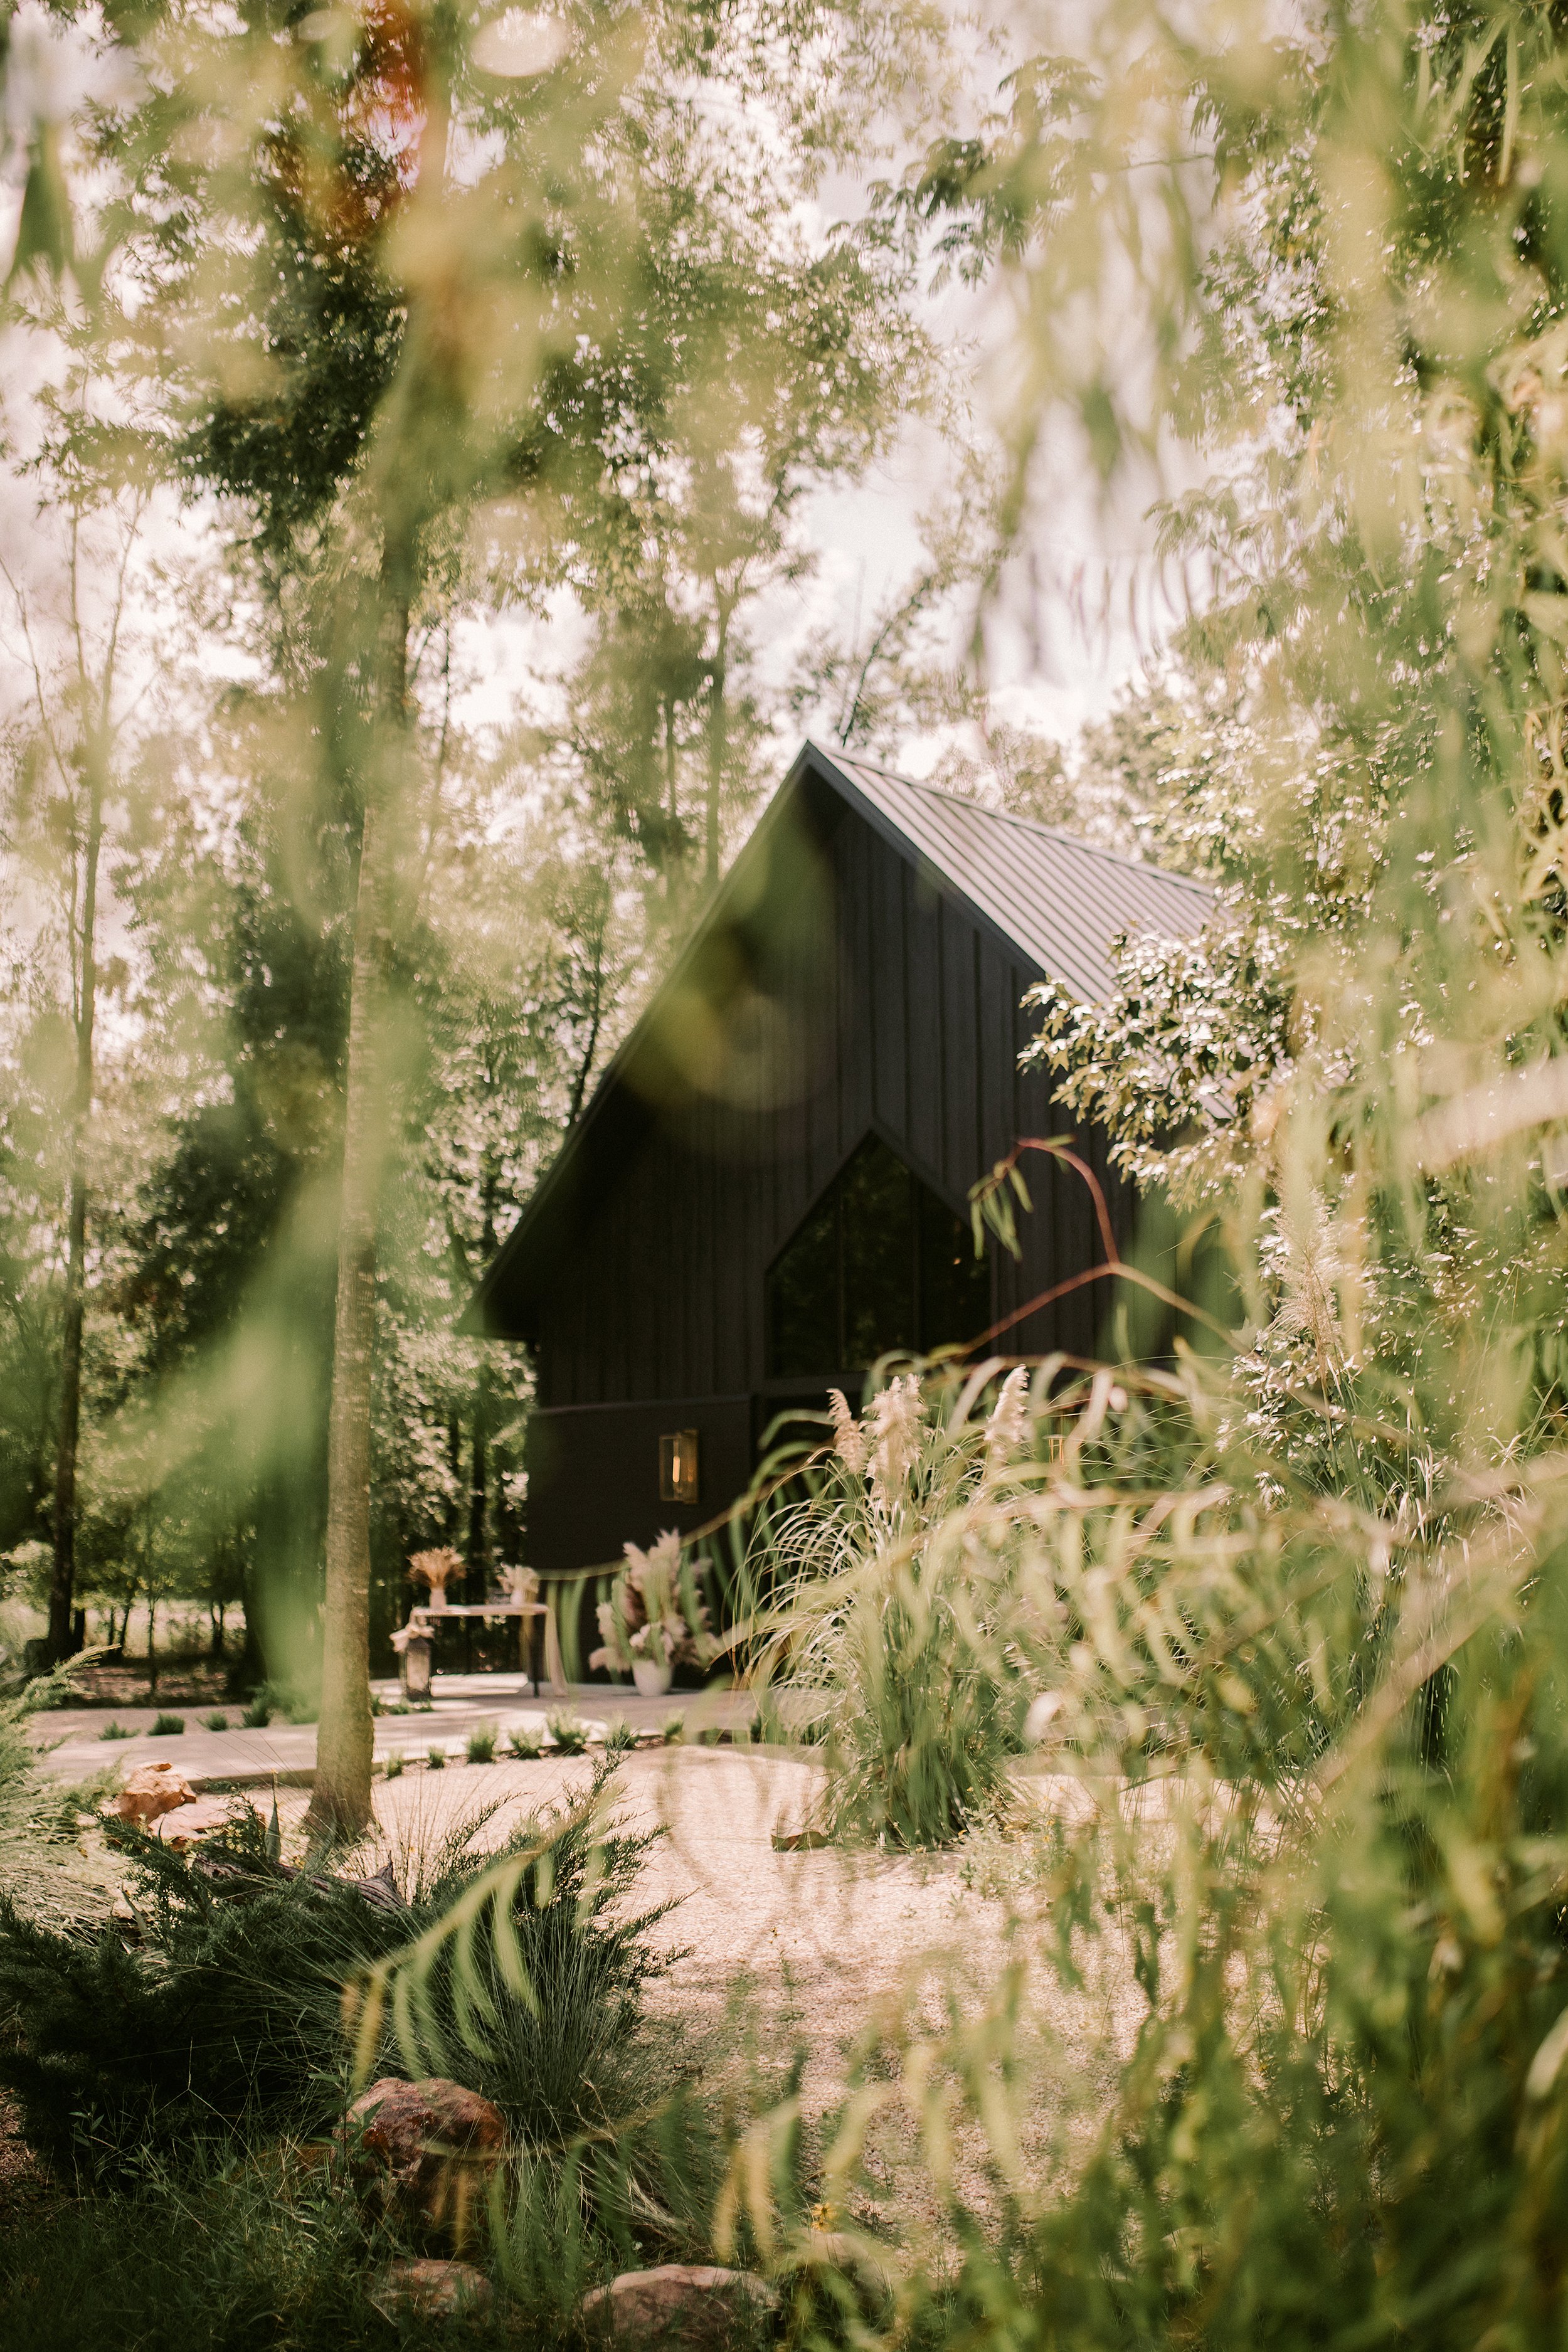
<point x="72" y="1745"/>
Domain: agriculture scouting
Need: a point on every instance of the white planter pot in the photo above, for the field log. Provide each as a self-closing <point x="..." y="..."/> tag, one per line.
<point x="651" y="1678"/>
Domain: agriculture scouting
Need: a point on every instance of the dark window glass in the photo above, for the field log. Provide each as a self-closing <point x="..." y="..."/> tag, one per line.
<point x="877" y="1220"/>
<point x="956" y="1284"/>
<point x="880" y="1263"/>
<point x="803" y="1295"/>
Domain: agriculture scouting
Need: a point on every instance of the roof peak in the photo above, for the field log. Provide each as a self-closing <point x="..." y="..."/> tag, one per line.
<point x="842" y="759"/>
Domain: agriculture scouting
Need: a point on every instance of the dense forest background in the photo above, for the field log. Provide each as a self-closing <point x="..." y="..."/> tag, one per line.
<point x="599" y="707"/>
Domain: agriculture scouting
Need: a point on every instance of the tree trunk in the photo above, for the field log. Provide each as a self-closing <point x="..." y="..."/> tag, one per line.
<point x="344" y="1737"/>
<point x="479" y="1546"/>
<point x="62" y="1585"/>
<point x="717" y="746"/>
<point x="479" y="1498"/>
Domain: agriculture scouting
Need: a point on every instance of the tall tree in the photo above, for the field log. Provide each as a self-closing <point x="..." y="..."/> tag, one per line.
<point x="410" y="304"/>
<point x="68" y="628"/>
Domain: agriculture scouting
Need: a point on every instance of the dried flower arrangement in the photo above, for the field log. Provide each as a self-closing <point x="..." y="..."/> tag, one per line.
<point x="436" y="1569"/>
<point x="655" y="1617"/>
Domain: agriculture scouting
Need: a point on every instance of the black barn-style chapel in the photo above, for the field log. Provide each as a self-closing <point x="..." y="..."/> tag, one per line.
<point x="769" y="1187"/>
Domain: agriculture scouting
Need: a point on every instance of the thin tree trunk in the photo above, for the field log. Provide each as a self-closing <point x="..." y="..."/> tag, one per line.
<point x="478" y="1496"/>
<point x="479" y="1546"/>
<point x="344" y="1735"/>
<point x="344" y="1738"/>
<point x="718" y="730"/>
<point x="62" y="1585"/>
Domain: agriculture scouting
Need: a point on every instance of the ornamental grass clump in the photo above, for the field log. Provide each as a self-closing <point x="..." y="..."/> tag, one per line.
<point x="880" y="1623"/>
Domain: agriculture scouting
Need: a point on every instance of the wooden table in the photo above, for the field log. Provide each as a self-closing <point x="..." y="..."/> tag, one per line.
<point x="423" y="1618"/>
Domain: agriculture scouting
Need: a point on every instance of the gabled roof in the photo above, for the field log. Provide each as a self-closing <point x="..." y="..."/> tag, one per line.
<point x="1061" y="901"/>
<point x="1058" y="902"/>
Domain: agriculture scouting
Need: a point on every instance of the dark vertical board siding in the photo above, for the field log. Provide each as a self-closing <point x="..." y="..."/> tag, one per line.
<point x="886" y="1002"/>
<point x="924" y="1025"/>
<point x="960" y="1162"/>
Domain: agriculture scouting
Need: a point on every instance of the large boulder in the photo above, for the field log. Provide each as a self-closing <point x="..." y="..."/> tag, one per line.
<point x="688" y="2303"/>
<point x="150" y="1792"/>
<point x="426" y="2150"/>
<point x="431" y="2289"/>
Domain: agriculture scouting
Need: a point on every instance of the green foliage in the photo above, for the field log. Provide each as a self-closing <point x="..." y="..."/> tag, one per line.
<point x="524" y="1741"/>
<point x="250" y="2258"/>
<point x="215" y="2020"/>
<point x="164" y="1725"/>
<point x="891" y="1625"/>
<point x="216" y="1721"/>
<point x="567" y="1734"/>
<point x="482" y="1744"/>
<point x="217" y="2016"/>
<point x="259" y="1714"/>
<point x="527" y="1983"/>
<point x="435" y="1759"/>
<point x="115" y="1732"/>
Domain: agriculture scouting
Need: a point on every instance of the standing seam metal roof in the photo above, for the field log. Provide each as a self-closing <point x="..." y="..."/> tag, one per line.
<point x="1061" y="900"/>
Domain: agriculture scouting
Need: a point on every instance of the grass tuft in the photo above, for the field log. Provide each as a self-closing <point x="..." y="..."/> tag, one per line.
<point x="525" y="1741"/>
<point x="216" y="1721"/>
<point x="570" y="1735"/>
<point x="116" y="1731"/>
<point x="435" y="1758"/>
<point x="166" y="1725"/>
<point x="482" y="1744"/>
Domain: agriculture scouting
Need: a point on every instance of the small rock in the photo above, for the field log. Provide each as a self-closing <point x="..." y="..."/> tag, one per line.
<point x="151" y="1790"/>
<point x="693" y="2302"/>
<point x="427" y="2149"/>
<point x="436" y="2290"/>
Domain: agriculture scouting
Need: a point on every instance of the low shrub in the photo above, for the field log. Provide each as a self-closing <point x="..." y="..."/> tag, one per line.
<point x="570" y="1736"/>
<point x="215" y="2018"/>
<point x="259" y="1714"/>
<point x="619" y="1739"/>
<point x="164" y="1727"/>
<point x="116" y="1731"/>
<point x="394" y="1767"/>
<point x="673" y="1730"/>
<point x="482" y="1744"/>
<point x="524" y="1741"/>
<point x="435" y="1758"/>
<point x="214" y="1722"/>
<point x="265" y="2256"/>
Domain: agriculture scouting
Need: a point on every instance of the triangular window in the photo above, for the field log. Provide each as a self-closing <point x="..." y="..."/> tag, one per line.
<point x="880" y="1263"/>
